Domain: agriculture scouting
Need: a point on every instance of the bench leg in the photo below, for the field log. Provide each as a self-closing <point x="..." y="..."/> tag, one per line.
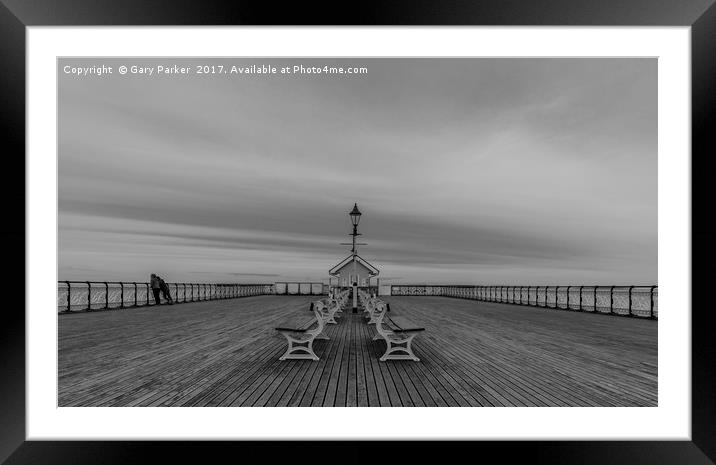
<point x="298" y="349"/>
<point x="322" y="335"/>
<point x="401" y="349"/>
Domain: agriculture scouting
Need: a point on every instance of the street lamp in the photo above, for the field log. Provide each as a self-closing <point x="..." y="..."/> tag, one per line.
<point x="355" y="215"/>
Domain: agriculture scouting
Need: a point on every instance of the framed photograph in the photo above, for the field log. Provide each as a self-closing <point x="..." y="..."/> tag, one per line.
<point x="463" y="230"/>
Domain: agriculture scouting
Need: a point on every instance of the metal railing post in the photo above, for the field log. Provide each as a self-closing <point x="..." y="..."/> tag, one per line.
<point x="556" y="296"/>
<point x="69" y="304"/>
<point x="89" y="296"/>
<point x="651" y="303"/>
<point x="568" y="288"/>
<point x="595" y="298"/>
<point x="147" y="284"/>
<point x="106" y="295"/>
<point x="529" y="291"/>
<point x="630" y="309"/>
<point x="136" y="304"/>
<point x="611" y="301"/>
<point x="580" y="298"/>
<point x="121" y="293"/>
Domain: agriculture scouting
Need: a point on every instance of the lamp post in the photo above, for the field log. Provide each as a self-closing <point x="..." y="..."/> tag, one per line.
<point x="355" y="215"/>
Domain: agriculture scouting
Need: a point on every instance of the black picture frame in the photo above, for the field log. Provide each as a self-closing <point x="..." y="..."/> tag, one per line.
<point x="700" y="15"/>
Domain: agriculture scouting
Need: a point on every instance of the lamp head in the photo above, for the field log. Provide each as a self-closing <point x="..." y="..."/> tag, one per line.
<point x="355" y="215"/>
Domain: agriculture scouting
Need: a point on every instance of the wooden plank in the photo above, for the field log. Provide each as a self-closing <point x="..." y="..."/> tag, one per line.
<point x="364" y="381"/>
<point x="335" y="387"/>
<point x="380" y="384"/>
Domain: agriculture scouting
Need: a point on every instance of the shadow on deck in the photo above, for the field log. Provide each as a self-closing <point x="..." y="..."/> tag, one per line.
<point x="225" y="353"/>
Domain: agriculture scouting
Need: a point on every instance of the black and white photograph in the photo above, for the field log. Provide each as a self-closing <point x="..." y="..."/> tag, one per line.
<point x="357" y="232"/>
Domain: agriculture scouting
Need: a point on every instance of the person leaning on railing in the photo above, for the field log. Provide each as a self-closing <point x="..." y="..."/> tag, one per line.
<point x="165" y="290"/>
<point x="156" y="288"/>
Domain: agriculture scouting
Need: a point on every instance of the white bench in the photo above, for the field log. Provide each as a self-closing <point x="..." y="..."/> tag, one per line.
<point x="300" y="338"/>
<point x="398" y="333"/>
<point x="331" y="307"/>
<point x="375" y="308"/>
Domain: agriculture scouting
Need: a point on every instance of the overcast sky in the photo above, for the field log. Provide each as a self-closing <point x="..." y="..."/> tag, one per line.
<point x="493" y="171"/>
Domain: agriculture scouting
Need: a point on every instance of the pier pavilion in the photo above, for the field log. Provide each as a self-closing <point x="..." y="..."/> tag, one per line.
<point x="353" y="269"/>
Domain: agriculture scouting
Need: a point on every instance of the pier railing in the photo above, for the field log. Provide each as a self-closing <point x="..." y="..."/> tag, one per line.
<point x="75" y="296"/>
<point x="301" y="288"/>
<point x="635" y="301"/>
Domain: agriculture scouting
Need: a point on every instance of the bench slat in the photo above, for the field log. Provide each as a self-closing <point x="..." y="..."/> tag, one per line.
<point x="403" y="325"/>
<point x="301" y="327"/>
<point x="293" y="330"/>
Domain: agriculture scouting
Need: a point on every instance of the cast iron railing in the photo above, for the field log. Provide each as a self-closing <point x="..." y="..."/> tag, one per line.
<point x="73" y="296"/>
<point x="301" y="288"/>
<point x="636" y="301"/>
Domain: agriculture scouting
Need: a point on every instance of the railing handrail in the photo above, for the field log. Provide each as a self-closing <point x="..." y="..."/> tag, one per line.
<point x="520" y="285"/>
<point x="490" y="293"/>
<point x="190" y="292"/>
<point x="173" y="282"/>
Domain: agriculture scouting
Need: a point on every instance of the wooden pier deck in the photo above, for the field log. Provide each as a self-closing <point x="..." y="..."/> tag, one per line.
<point x="225" y="353"/>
